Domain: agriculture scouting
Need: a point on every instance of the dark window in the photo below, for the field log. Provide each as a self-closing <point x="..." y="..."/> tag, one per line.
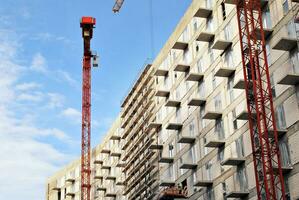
<point x="223" y="11"/>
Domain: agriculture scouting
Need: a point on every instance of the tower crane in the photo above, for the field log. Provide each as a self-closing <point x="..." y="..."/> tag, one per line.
<point x="262" y="124"/>
<point x="87" y="24"/>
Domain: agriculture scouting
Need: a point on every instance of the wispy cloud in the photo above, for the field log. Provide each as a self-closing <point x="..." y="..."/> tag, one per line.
<point x="28" y="86"/>
<point x="49" y="37"/>
<point x="27" y="157"/>
<point x="72" y="114"/>
<point x="39" y="63"/>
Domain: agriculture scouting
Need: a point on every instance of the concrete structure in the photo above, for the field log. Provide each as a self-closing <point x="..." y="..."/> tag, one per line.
<point x="185" y="119"/>
<point x="107" y="177"/>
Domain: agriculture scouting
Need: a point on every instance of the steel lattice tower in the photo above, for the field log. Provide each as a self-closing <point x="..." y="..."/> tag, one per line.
<point x="263" y="131"/>
<point x="87" y="24"/>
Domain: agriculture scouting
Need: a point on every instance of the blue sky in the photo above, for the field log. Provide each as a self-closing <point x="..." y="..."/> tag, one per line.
<point x="40" y="79"/>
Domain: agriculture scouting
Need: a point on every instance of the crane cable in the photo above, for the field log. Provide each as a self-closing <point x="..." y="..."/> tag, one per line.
<point x="152" y="43"/>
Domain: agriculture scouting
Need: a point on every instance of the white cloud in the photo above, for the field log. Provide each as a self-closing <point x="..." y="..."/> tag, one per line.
<point x="55" y="100"/>
<point x="26" y="153"/>
<point x="39" y="63"/>
<point x="28" y="86"/>
<point x="67" y="77"/>
<point x="73" y="114"/>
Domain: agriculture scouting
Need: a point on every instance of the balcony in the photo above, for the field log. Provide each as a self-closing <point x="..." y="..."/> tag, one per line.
<point x="240" y="83"/>
<point x="70" y="192"/>
<point x="237" y="194"/>
<point x="285" y="44"/>
<point x="172" y="103"/>
<point x="233" y="161"/>
<point x="101" y="188"/>
<point x="179" y="45"/>
<point x="205" y="36"/>
<point x="289" y="79"/>
<point x="244" y="115"/>
<point x="110" y="193"/>
<point x="188" y="165"/>
<point x="214" y="143"/>
<point x="121" y="164"/>
<point x="180" y="67"/>
<point x="224" y="71"/>
<point x="203" y="13"/>
<point x="106" y="166"/>
<point x="267" y="33"/>
<point x="70" y="179"/>
<point x="162" y="93"/>
<point x="204" y="183"/>
<point x="174" y="126"/>
<point x="161" y="72"/>
<point x="111" y="177"/>
<point x="221" y="44"/>
<point x="115" y="153"/>
<point x="196" y="102"/>
<point x="194" y="77"/>
<point x="212" y="115"/>
<point x="156" y="147"/>
<point x="284" y="169"/>
<point x="187" y="139"/>
<point x="105" y="150"/>
<point x="280" y="133"/>
<point x="155" y="125"/>
<point x="166" y="183"/>
<point x="166" y="159"/>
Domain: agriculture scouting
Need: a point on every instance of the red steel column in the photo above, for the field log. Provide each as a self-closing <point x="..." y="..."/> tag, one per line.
<point x="269" y="183"/>
<point x="87" y="25"/>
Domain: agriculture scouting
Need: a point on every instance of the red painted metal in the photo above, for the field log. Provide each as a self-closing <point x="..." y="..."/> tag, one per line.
<point x="87" y="25"/>
<point x="269" y="184"/>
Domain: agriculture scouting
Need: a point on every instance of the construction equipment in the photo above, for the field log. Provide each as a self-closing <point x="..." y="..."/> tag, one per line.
<point x="266" y="155"/>
<point x="117" y="6"/>
<point x="87" y="24"/>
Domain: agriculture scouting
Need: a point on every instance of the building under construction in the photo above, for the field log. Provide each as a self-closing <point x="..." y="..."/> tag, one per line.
<point x="183" y="131"/>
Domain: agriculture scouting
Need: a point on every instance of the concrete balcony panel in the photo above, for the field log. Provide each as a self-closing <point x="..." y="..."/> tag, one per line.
<point x="203" y="183"/>
<point x="237" y="194"/>
<point x="212" y="115"/>
<point x="224" y="71"/>
<point x="115" y="137"/>
<point x="111" y="177"/>
<point x="166" y="183"/>
<point x="70" y="179"/>
<point x="174" y="126"/>
<point x="194" y="77"/>
<point x="172" y="103"/>
<point x="186" y="139"/>
<point x="162" y="93"/>
<point x="188" y="166"/>
<point x="244" y="115"/>
<point x="115" y="154"/>
<point x="196" y="102"/>
<point x="285" y="44"/>
<point x="155" y="125"/>
<point x="267" y="33"/>
<point x="105" y="151"/>
<point x="179" y="45"/>
<point x="101" y="188"/>
<point x="215" y="143"/>
<point x="166" y="160"/>
<point x="284" y="169"/>
<point x="233" y="161"/>
<point x="161" y="72"/>
<point x="280" y="133"/>
<point x="203" y="13"/>
<point x="221" y="44"/>
<point x="181" y="67"/>
<point x="156" y="146"/>
<point x="111" y="194"/>
<point x="289" y="79"/>
<point x="205" y="36"/>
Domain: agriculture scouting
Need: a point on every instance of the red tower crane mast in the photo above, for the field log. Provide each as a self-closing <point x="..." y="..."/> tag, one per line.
<point x="263" y="131"/>
<point x="87" y="24"/>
